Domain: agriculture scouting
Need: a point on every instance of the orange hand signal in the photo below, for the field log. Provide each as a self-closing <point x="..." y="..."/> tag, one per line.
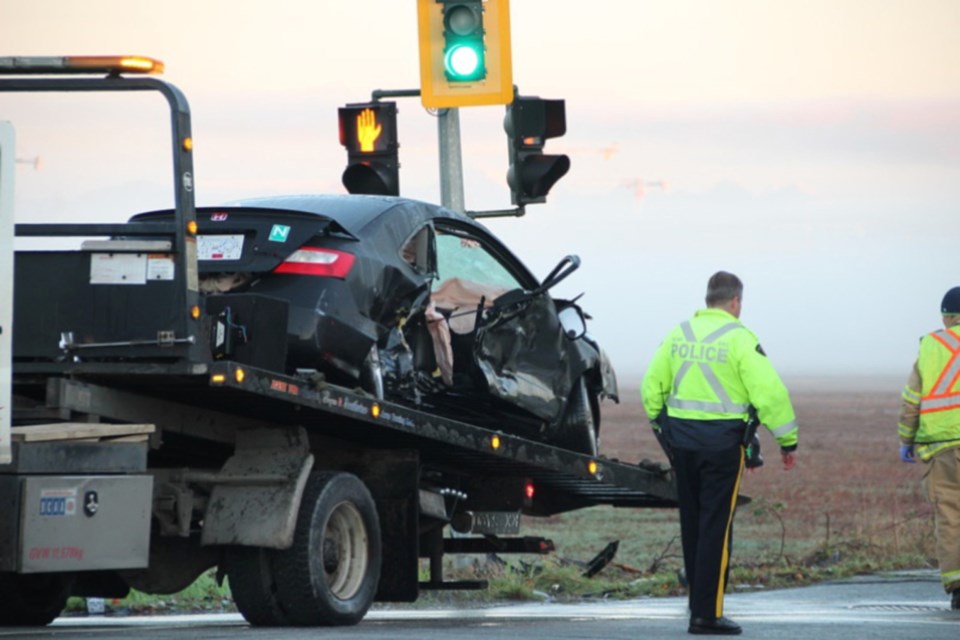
<point x="368" y="129"/>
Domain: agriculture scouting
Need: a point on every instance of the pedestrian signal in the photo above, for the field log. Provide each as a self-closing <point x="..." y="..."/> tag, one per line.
<point x="369" y="132"/>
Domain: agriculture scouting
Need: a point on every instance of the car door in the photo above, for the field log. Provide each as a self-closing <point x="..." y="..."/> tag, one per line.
<point x="516" y="343"/>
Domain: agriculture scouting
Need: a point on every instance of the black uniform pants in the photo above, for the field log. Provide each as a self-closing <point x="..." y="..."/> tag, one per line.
<point x="708" y="483"/>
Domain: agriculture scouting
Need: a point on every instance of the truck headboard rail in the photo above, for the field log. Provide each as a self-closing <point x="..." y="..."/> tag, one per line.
<point x="95" y="229"/>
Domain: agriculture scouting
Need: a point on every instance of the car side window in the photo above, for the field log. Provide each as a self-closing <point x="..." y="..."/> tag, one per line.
<point x="461" y="256"/>
<point x="416" y="250"/>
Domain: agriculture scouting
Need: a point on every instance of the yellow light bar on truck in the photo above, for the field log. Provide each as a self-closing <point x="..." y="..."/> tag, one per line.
<point x="79" y="64"/>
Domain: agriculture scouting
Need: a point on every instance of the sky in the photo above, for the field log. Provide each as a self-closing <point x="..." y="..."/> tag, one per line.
<point x="812" y="147"/>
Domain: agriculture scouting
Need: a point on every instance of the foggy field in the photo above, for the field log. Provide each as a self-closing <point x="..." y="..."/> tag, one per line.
<point x="849" y="500"/>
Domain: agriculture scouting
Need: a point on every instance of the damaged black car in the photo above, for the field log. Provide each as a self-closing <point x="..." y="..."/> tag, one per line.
<point x="409" y="301"/>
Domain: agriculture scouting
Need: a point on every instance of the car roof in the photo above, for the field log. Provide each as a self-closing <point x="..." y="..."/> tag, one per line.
<point x="352" y="212"/>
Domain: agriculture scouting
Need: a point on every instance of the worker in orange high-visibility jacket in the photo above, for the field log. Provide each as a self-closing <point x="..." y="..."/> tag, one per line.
<point x="698" y="393"/>
<point x="930" y="428"/>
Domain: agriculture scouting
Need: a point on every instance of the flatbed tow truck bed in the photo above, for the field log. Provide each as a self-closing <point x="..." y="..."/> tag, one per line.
<point x="232" y="395"/>
<point x="581" y="479"/>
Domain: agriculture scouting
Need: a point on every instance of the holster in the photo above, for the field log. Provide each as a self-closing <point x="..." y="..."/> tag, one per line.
<point x="661" y="436"/>
<point x="751" y="441"/>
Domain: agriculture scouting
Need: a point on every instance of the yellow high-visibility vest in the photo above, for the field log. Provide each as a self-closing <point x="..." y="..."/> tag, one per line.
<point x="939" y="367"/>
<point x="712" y="368"/>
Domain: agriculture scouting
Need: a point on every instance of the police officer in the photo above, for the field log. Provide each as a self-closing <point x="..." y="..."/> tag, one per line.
<point x="929" y="427"/>
<point x="697" y="392"/>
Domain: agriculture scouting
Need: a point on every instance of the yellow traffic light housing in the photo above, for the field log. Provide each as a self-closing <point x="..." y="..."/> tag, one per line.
<point x="464" y="53"/>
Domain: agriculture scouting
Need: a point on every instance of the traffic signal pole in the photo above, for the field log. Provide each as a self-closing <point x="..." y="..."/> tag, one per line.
<point x="7" y="161"/>
<point x="451" y="159"/>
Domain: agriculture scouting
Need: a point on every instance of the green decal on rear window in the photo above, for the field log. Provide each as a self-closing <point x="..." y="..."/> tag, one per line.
<point x="279" y="233"/>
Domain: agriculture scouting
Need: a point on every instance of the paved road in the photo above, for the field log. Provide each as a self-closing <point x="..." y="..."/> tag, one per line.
<point x="887" y="607"/>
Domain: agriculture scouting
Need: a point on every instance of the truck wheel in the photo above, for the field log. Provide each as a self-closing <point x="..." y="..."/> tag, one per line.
<point x="331" y="573"/>
<point x="32" y="599"/>
<point x="578" y="430"/>
<point x="253" y="587"/>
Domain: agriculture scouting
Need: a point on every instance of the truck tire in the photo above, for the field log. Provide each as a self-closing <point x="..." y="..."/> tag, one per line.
<point x="578" y="428"/>
<point x="330" y="575"/>
<point x="33" y="599"/>
<point x="253" y="587"/>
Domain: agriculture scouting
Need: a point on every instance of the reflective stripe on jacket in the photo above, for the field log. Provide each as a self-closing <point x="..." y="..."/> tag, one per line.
<point x="712" y="368"/>
<point x="938" y="395"/>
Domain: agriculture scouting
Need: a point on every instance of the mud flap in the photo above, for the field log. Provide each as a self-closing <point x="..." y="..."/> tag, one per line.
<point x="256" y="495"/>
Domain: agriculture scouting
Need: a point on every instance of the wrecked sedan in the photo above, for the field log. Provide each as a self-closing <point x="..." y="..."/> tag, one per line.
<point x="411" y="302"/>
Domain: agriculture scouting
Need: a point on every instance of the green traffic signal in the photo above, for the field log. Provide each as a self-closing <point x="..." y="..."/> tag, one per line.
<point x="464" y="58"/>
<point x="464" y="53"/>
<point x="464" y="62"/>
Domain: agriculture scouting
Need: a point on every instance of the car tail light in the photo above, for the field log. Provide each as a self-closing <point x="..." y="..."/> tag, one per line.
<point x="313" y="261"/>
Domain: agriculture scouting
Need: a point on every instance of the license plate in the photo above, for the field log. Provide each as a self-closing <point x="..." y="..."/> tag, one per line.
<point x="220" y="247"/>
<point x="501" y="522"/>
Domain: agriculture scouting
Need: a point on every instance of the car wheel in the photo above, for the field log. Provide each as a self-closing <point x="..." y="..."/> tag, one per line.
<point x="578" y="428"/>
<point x="330" y="575"/>
<point x="33" y="599"/>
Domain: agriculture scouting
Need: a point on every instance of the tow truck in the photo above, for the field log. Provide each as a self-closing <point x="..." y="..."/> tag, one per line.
<point x="132" y="457"/>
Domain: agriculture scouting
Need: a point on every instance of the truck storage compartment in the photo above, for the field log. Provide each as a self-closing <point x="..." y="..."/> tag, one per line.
<point x="98" y="306"/>
<point x="248" y="328"/>
<point x="72" y="523"/>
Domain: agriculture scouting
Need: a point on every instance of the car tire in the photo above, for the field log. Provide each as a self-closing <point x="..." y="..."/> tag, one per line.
<point x="330" y="575"/>
<point x="578" y="428"/>
<point x="253" y="586"/>
<point x="33" y="599"/>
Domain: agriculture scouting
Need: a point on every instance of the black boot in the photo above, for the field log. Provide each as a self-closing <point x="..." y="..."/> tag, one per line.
<point x="955" y="600"/>
<point x="722" y="626"/>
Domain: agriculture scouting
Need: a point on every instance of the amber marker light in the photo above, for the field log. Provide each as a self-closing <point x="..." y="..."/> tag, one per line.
<point x="80" y="64"/>
<point x="115" y="64"/>
<point x="195" y="312"/>
<point x="192" y="227"/>
<point x="239" y="374"/>
<point x="218" y="378"/>
<point x="188" y="144"/>
<point x="495" y="442"/>
<point x="375" y="410"/>
<point x="592" y="467"/>
<point x="141" y="64"/>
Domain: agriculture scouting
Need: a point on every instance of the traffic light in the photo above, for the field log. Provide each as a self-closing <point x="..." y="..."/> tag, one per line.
<point x="528" y="123"/>
<point x="464" y="52"/>
<point x="369" y="132"/>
